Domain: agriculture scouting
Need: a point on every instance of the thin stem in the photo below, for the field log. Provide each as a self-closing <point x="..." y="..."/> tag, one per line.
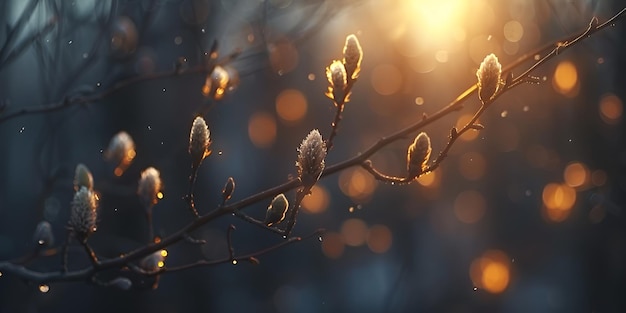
<point x="192" y="183"/>
<point x="339" y="106"/>
<point x="256" y="222"/>
<point x="90" y="253"/>
<point x="229" y="240"/>
<point x="293" y="212"/>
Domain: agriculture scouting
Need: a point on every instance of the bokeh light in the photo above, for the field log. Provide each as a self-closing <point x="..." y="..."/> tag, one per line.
<point x="262" y="129"/>
<point x="357" y="183"/>
<point x="491" y="271"/>
<point x="332" y="245"/>
<point x="558" y="200"/>
<point x="354" y="232"/>
<point x="317" y="201"/>
<point x="461" y="122"/>
<point x="565" y="80"/>
<point x="611" y="109"/>
<point x="576" y="174"/>
<point x="379" y="238"/>
<point x="291" y="106"/>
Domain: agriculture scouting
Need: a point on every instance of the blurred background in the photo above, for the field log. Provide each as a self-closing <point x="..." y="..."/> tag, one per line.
<point x="524" y="216"/>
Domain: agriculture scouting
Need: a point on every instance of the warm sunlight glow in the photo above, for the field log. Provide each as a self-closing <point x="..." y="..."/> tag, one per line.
<point x="428" y="179"/>
<point x="491" y="271"/>
<point x="262" y="129"/>
<point x="386" y="79"/>
<point x="565" y="80"/>
<point x="291" y="106"/>
<point x="558" y="200"/>
<point x="439" y="17"/>
<point x="317" y="201"/>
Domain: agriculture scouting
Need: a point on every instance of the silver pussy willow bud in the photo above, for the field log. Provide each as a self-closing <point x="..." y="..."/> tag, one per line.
<point x="43" y="234"/>
<point x="352" y="56"/>
<point x="228" y="189"/>
<point x="277" y="210"/>
<point x="199" y="141"/>
<point x="82" y="177"/>
<point x="336" y="75"/>
<point x="122" y="283"/>
<point x="488" y="75"/>
<point x="311" y="155"/>
<point x="418" y="155"/>
<point x="121" y="151"/>
<point x="84" y="213"/>
<point x="154" y="261"/>
<point x="149" y="187"/>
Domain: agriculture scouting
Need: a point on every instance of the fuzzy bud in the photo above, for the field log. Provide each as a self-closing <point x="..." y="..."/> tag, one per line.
<point x="82" y="177"/>
<point x="311" y="156"/>
<point x="43" y="234"/>
<point x="84" y="213"/>
<point x="199" y="141"/>
<point x="488" y="75"/>
<point x="149" y="187"/>
<point x="122" y="283"/>
<point x="121" y="151"/>
<point x="336" y="75"/>
<point x="352" y="56"/>
<point x="216" y="83"/>
<point x="277" y="210"/>
<point x="418" y="155"/>
<point x="154" y="261"/>
<point x="228" y="189"/>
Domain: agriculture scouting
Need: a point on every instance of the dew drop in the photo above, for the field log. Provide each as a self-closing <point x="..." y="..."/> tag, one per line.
<point x="504" y="113"/>
<point x="351" y="209"/>
<point x="537" y="57"/>
<point x="475" y="288"/>
<point x="149" y="127"/>
<point x="22" y="129"/>
<point x="98" y="84"/>
<point x="41" y="242"/>
<point x="203" y="30"/>
<point x="311" y="76"/>
<point x="320" y="238"/>
<point x="101" y="150"/>
<point x="70" y="42"/>
<point x="393" y="183"/>
<point x="164" y="90"/>
<point x="0" y="274"/>
<point x="234" y="262"/>
<point x="44" y="288"/>
<point x="219" y="152"/>
<point x="161" y="142"/>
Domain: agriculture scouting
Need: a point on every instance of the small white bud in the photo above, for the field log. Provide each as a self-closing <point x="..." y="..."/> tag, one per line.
<point x="277" y="210"/>
<point x="311" y="155"/>
<point x="84" y="213"/>
<point x="154" y="261"/>
<point x="122" y="283"/>
<point x="43" y="234"/>
<point x="488" y="75"/>
<point x="199" y="141"/>
<point x="149" y="187"/>
<point x="418" y="155"/>
<point x="82" y="177"/>
<point x="121" y="151"/>
<point x="352" y="56"/>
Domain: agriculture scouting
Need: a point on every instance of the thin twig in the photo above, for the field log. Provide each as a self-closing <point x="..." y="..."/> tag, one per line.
<point x="229" y="240"/>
